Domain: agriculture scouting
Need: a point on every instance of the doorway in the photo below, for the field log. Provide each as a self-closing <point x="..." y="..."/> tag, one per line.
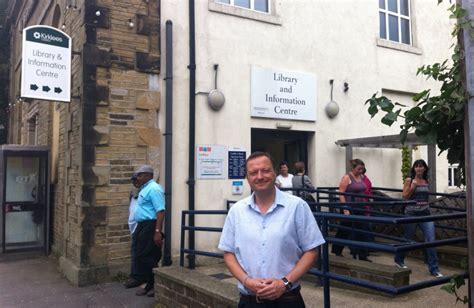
<point x="289" y="146"/>
<point x="24" y="194"/>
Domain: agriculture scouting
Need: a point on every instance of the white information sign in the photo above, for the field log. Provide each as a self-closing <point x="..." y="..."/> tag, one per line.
<point x="46" y="64"/>
<point x="211" y="162"/>
<point x="281" y="94"/>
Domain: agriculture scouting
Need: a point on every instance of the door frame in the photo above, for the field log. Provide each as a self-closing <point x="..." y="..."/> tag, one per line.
<point x="43" y="191"/>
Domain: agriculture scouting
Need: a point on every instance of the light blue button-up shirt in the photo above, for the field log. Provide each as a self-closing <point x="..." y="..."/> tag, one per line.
<point x="270" y="245"/>
<point x="151" y="200"/>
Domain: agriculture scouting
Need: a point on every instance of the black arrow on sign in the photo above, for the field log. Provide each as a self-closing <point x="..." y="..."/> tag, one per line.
<point x="33" y="87"/>
<point x="46" y="89"/>
<point x="57" y="90"/>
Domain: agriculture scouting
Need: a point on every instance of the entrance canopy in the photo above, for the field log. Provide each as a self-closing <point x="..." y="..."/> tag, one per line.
<point x="392" y="142"/>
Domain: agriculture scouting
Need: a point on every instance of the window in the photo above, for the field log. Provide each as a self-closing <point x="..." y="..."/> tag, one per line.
<point x="259" y="10"/>
<point x="256" y="5"/>
<point x="395" y="22"/>
<point x="453" y="176"/>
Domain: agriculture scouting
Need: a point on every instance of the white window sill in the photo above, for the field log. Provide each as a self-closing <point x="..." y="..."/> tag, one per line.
<point x="398" y="46"/>
<point x="244" y="13"/>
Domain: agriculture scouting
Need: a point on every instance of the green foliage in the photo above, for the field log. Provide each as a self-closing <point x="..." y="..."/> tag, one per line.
<point x="406" y="163"/>
<point x="455" y="283"/>
<point x="435" y="119"/>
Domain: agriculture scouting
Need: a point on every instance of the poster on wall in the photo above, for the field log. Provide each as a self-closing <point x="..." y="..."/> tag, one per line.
<point x="22" y="179"/>
<point x="236" y="159"/>
<point x="279" y="94"/>
<point x="211" y="162"/>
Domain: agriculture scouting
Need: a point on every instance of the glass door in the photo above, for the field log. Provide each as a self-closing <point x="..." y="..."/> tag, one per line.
<point x="24" y="205"/>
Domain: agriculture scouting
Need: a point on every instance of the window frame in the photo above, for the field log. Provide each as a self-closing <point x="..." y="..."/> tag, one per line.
<point x="399" y="16"/>
<point x="270" y="17"/>
<point x="252" y="6"/>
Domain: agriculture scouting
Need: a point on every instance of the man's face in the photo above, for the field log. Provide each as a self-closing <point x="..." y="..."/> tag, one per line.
<point x="260" y="174"/>
<point x="135" y="182"/>
<point x="142" y="178"/>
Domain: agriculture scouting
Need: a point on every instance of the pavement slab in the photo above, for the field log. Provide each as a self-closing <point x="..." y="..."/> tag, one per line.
<point x="34" y="281"/>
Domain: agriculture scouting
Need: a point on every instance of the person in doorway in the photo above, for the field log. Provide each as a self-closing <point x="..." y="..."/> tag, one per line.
<point x="353" y="182"/>
<point x="283" y="180"/>
<point x="134" y="280"/>
<point x="302" y="181"/>
<point x="269" y="240"/>
<point x="147" y="239"/>
<point x="416" y="188"/>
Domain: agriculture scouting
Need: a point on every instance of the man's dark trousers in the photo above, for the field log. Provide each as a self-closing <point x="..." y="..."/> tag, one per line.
<point x="145" y="253"/>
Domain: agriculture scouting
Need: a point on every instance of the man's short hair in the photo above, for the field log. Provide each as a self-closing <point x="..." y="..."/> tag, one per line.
<point x="259" y="154"/>
<point x="144" y="169"/>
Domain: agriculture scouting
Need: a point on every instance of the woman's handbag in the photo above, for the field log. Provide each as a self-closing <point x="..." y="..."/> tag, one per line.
<point x="306" y="196"/>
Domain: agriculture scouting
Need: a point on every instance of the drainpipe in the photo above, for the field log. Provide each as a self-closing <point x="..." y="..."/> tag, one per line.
<point x="169" y="142"/>
<point x="192" y="119"/>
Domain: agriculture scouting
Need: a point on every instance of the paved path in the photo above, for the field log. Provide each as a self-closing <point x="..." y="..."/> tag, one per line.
<point x="432" y="297"/>
<point x="34" y="281"/>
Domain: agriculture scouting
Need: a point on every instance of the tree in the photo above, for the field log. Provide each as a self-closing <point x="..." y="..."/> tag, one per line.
<point x="435" y="119"/>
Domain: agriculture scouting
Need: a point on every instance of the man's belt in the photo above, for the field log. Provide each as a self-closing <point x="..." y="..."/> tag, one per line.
<point x="286" y="297"/>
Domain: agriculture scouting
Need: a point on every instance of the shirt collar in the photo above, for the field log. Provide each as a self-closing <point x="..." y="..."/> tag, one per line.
<point x="144" y="185"/>
<point x="277" y="202"/>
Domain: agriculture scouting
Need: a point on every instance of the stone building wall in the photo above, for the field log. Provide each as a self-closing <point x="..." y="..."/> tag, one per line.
<point x="106" y="131"/>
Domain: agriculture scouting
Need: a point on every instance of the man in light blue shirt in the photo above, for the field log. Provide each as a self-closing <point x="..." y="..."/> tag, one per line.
<point x="147" y="238"/>
<point x="269" y="239"/>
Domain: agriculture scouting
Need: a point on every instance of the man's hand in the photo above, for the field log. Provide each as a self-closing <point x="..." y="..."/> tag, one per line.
<point x="254" y="284"/>
<point x="272" y="290"/>
<point x="158" y="239"/>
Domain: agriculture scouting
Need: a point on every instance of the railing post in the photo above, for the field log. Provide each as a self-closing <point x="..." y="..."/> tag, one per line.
<point x="181" y="244"/>
<point x="327" y="295"/>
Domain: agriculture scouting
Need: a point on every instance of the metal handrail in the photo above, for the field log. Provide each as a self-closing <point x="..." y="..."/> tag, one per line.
<point x="401" y="245"/>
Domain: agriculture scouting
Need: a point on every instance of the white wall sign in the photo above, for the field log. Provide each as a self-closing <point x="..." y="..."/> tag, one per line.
<point x="211" y="162"/>
<point x="46" y="64"/>
<point x="283" y="95"/>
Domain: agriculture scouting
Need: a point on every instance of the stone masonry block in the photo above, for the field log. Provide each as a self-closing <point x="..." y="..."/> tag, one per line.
<point x="96" y="175"/>
<point x="97" y="16"/>
<point x="148" y="63"/>
<point x="148" y="100"/>
<point x="95" y="56"/>
<point x="96" y="95"/>
<point x="148" y="136"/>
<point x="147" y="25"/>
<point x="102" y="134"/>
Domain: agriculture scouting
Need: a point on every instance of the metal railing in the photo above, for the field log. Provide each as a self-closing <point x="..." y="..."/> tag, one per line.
<point x="327" y="219"/>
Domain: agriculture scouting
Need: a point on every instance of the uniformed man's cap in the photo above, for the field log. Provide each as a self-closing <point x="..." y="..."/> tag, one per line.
<point x="134" y="176"/>
<point x="144" y="169"/>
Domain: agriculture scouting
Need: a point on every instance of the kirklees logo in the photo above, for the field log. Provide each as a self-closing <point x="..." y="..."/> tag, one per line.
<point x="47" y="38"/>
<point x="47" y="35"/>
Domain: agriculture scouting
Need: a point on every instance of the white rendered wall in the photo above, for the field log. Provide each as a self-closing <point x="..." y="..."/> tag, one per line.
<point x="332" y="39"/>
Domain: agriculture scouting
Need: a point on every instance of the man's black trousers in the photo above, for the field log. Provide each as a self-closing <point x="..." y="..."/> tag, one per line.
<point x="145" y="253"/>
